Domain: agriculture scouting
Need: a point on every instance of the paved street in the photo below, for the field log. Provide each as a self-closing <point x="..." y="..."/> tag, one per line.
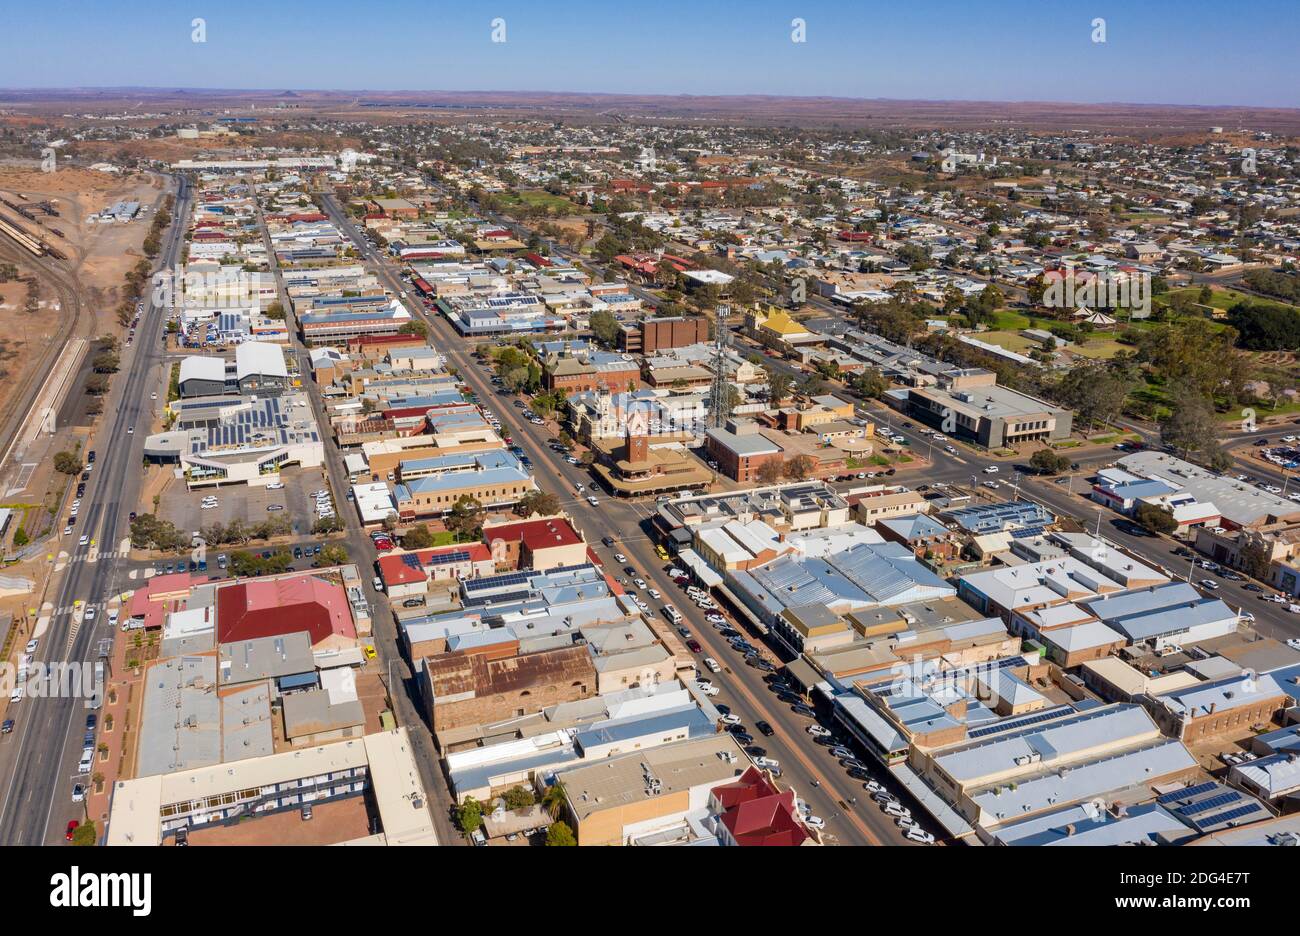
<point x="39" y="760"/>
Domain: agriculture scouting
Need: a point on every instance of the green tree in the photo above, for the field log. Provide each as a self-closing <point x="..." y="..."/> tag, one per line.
<point x="68" y="463"/>
<point x="553" y="800"/>
<point x="331" y="554"/>
<point x="85" y="835"/>
<point x="538" y="502"/>
<point x="518" y="797"/>
<point x="604" y="327"/>
<point x="418" y="537"/>
<point x="1047" y="461"/>
<point x="1155" y="518"/>
<point x="778" y="385"/>
<point x="466" y="518"/>
<point x="469" y="815"/>
<point x="870" y="383"/>
<point x="559" y="834"/>
<point x="1191" y="425"/>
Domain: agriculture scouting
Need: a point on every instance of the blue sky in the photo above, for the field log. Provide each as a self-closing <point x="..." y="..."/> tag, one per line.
<point x="1157" y="51"/>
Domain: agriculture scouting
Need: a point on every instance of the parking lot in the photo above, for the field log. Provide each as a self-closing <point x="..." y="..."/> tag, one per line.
<point x="249" y="504"/>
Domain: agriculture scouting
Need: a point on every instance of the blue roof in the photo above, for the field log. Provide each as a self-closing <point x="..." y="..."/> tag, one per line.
<point x="691" y="717"/>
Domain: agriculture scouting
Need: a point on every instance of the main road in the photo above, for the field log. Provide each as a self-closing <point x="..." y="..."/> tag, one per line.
<point x="38" y="767"/>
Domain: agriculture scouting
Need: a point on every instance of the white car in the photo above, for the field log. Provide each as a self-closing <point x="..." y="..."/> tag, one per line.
<point x="31" y="645"/>
<point x="275" y="486"/>
<point x="917" y="834"/>
<point x="619" y="557"/>
<point x="817" y="731"/>
<point x="709" y="690"/>
<point x="592" y="501"/>
<point x="153" y="396"/>
<point x="17" y="695"/>
<point x="713" y="666"/>
<point x="207" y="506"/>
<point x="729" y="719"/>
<point x="814" y="822"/>
<point x="84" y="541"/>
<point x="767" y="762"/>
<point x="991" y="469"/>
<point x="1294" y="643"/>
<point x="640" y="583"/>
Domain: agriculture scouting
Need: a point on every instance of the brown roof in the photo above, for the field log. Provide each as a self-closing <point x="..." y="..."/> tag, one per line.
<point x="457" y="672"/>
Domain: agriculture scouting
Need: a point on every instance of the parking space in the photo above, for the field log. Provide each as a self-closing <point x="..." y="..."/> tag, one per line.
<point x="296" y="502"/>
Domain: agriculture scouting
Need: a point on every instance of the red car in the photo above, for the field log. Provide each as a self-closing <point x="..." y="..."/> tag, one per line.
<point x="72" y="827"/>
<point x="694" y="645"/>
<point x="383" y="545"/>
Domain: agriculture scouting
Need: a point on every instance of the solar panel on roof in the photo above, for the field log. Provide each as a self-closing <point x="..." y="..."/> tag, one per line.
<point x="1238" y="813"/>
<point x="1187" y="793"/>
<point x="1017" y="723"/>
<point x="448" y="558"/>
<point x="412" y="560"/>
<point x="1214" y="802"/>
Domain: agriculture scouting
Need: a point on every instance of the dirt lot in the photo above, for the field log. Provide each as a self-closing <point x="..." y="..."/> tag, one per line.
<point x="331" y="823"/>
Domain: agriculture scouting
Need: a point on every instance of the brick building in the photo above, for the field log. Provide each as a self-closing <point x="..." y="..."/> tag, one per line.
<point x="463" y="688"/>
<point x="654" y="334"/>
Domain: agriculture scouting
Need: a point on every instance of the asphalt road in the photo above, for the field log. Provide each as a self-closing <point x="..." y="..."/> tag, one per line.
<point x="39" y="760"/>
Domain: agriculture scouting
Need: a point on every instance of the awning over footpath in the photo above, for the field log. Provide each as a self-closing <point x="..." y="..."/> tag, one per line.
<point x="691" y="559"/>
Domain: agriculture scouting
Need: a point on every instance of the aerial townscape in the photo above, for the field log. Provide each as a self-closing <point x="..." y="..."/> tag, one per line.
<point x="533" y="468"/>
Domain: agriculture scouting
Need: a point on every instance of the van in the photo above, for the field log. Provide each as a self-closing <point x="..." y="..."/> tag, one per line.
<point x="672" y="614"/>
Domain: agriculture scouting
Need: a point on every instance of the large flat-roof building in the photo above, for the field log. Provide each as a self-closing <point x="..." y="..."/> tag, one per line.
<point x="147" y="810"/>
<point x="987" y="414"/>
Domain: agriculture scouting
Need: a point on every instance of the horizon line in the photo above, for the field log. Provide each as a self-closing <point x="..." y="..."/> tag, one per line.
<point x="173" y="89"/>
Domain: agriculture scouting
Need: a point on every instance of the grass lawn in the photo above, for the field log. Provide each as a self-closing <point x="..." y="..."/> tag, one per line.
<point x="1007" y="320"/>
<point x="535" y="197"/>
<point x="1010" y="340"/>
<point x="1098" y="348"/>
<point x="444" y="538"/>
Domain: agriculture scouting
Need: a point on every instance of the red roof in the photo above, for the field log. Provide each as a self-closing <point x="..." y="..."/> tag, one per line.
<point x="756" y="813"/>
<point x="270" y="608"/>
<point x="536" y="534"/>
<point x="397" y="570"/>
